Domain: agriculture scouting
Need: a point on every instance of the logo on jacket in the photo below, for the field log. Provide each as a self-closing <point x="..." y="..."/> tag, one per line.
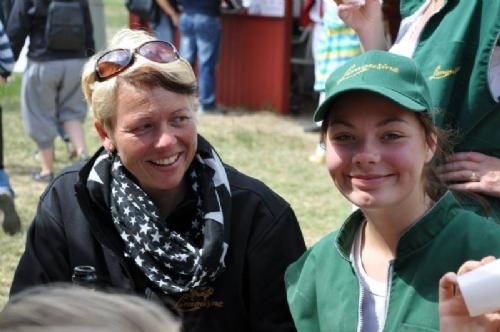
<point x="198" y="298"/>
<point x="439" y="73"/>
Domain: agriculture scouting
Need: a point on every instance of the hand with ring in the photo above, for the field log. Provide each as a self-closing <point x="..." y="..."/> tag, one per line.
<point x="474" y="177"/>
<point x="472" y="171"/>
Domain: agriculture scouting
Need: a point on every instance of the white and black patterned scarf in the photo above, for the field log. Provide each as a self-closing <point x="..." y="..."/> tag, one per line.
<point x="171" y="260"/>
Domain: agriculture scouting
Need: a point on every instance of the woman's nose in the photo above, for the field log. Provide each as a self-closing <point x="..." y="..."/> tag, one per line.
<point x="367" y="153"/>
<point x="166" y="137"/>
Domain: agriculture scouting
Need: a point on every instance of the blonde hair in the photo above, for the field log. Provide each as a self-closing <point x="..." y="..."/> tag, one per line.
<point x="102" y="96"/>
<point x="76" y="309"/>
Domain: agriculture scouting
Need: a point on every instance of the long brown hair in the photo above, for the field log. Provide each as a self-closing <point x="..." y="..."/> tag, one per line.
<point x="441" y="139"/>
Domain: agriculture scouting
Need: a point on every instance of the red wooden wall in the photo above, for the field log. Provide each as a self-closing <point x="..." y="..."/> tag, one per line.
<point x="254" y="65"/>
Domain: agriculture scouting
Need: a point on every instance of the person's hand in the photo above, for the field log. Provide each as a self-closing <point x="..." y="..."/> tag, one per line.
<point x="472" y="171"/>
<point x="367" y="21"/>
<point x="359" y="17"/>
<point x="175" y="19"/>
<point x="453" y="314"/>
<point x="3" y="80"/>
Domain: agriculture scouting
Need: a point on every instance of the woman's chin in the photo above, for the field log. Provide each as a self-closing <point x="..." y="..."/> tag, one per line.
<point x="364" y="200"/>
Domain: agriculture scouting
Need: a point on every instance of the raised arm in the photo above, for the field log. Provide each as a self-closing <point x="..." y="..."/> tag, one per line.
<point x="367" y="21"/>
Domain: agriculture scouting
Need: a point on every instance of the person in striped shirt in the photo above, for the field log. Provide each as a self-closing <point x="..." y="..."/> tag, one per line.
<point x="11" y="223"/>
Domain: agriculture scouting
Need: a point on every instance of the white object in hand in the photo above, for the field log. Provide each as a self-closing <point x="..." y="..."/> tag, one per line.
<point x="481" y="289"/>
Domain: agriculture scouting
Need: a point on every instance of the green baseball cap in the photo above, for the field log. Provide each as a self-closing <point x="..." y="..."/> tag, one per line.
<point x="392" y="76"/>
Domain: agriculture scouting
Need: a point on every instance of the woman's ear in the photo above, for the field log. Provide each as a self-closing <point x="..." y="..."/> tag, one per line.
<point x="106" y="140"/>
<point x="431" y="147"/>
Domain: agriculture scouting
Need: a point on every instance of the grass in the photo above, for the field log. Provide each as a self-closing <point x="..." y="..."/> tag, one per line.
<point x="268" y="146"/>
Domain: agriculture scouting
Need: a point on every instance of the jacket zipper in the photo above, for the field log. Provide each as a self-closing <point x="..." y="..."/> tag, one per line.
<point x="360" y="303"/>
<point x="362" y="294"/>
<point x="388" y="293"/>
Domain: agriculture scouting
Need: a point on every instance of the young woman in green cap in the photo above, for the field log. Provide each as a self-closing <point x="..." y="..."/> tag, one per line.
<point x="380" y="271"/>
<point x="456" y="45"/>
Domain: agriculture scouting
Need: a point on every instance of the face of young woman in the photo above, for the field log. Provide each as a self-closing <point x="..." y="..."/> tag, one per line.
<point x="155" y="133"/>
<point x="376" y="151"/>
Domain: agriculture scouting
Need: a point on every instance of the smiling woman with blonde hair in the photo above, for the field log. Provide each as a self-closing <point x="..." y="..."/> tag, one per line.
<point x="156" y="211"/>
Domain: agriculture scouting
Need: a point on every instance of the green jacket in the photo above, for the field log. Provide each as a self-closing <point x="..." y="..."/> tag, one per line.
<point x="453" y="53"/>
<point x="324" y="292"/>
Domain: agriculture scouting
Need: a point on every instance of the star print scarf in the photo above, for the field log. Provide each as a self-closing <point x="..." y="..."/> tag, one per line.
<point x="171" y="260"/>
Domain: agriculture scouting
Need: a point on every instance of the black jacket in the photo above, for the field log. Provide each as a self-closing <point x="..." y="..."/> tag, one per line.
<point x="70" y="230"/>
<point x="28" y="18"/>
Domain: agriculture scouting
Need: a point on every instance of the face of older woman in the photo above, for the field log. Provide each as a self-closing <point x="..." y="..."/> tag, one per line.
<point x="155" y="133"/>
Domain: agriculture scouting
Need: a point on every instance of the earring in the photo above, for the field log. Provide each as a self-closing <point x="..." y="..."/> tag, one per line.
<point x="111" y="151"/>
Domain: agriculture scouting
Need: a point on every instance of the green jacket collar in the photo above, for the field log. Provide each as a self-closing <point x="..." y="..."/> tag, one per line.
<point x="415" y="238"/>
<point x="409" y="7"/>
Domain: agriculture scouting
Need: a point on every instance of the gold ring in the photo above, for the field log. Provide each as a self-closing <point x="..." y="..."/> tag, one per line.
<point x="474" y="177"/>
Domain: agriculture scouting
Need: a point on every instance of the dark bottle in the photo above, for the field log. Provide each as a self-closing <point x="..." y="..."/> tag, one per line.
<point x="85" y="276"/>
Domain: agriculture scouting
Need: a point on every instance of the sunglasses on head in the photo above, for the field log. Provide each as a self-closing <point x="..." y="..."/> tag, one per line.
<point x="115" y="61"/>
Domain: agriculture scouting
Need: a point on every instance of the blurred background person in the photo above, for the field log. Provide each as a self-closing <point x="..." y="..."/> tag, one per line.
<point x="11" y="223"/>
<point x="201" y="31"/>
<point x="51" y="95"/>
<point x="167" y="20"/>
<point x="334" y="43"/>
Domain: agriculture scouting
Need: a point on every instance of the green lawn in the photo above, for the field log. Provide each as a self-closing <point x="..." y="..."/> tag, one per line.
<point x="262" y="144"/>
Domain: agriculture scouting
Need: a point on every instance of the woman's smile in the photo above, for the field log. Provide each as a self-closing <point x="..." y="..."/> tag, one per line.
<point x="369" y="181"/>
<point x="166" y="161"/>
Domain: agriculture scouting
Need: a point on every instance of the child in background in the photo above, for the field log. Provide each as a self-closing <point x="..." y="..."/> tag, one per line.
<point x="334" y="43"/>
